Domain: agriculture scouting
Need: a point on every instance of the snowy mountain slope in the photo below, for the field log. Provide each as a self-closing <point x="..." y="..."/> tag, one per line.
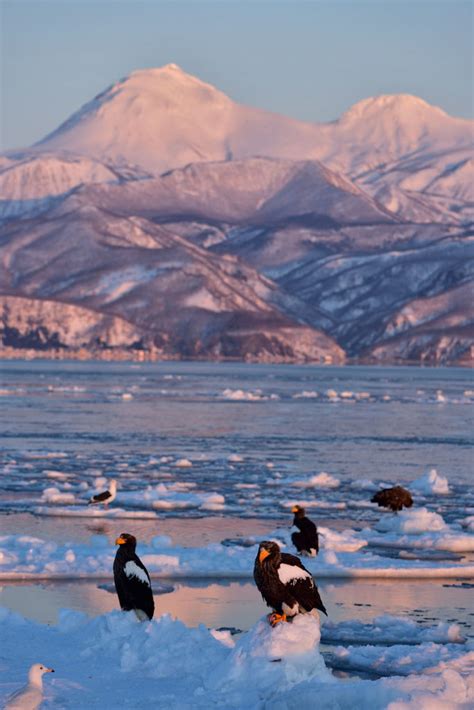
<point x="186" y="300"/>
<point x="432" y="187"/>
<point x="256" y="190"/>
<point x="44" y="324"/>
<point x="363" y="293"/>
<point x="31" y="182"/>
<point x="435" y="329"/>
<point x="164" y="118"/>
<point x="214" y="230"/>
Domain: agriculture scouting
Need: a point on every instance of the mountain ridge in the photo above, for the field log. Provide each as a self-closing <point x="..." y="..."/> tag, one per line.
<point x="187" y="225"/>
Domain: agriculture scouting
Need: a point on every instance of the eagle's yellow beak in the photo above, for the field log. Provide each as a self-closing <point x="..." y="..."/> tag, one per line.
<point x="262" y="555"/>
<point x="294" y="509"/>
<point x="120" y="541"/>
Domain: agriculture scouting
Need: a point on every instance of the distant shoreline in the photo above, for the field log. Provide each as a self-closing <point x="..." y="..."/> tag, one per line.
<point x="126" y="355"/>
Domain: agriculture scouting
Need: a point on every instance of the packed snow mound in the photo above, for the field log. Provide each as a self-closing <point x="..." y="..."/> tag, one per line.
<point x="268" y="661"/>
<point x="114" y="661"/>
<point x="412" y="522"/>
<point x="431" y="483"/>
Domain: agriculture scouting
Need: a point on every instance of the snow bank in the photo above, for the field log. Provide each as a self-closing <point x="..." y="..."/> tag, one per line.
<point x="25" y="557"/>
<point x="114" y="661"/>
<point x="431" y="483"/>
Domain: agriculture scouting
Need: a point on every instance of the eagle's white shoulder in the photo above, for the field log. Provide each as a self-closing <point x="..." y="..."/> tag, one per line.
<point x="289" y="574"/>
<point x="131" y="569"/>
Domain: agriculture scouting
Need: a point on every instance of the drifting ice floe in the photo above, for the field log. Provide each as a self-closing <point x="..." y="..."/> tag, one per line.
<point x="419" y="529"/>
<point x="397" y="660"/>
<point x="388" y="630"/>
<point x="431" y="483"/>
<point x="320" y="480"/>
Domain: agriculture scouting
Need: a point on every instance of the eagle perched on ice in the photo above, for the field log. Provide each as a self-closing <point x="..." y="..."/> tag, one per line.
<point x="394" y="498"/>
<point x="132" y="581"/>
<point x="284" y="583"/>
<point x="306" y="540"/>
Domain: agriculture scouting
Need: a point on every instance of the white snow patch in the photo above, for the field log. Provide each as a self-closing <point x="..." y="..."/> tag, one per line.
<point x="183" y="463"/>
<point x="54" y="495"/>
<point x="320" y="480"/>
<point x="431" y="482"/>
<point x="290" y="573"/>
<point x="412" y="522"/>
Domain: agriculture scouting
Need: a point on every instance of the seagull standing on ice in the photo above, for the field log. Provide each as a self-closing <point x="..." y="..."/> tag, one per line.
<point x="285" y="584"/>
<point x="31" y="696"/>
<point x="107" y="496"/>
<point x="132" y="580"/>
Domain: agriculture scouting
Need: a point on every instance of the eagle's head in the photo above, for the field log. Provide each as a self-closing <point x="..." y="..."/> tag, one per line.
<point x="126" y="539"/>
<point x="268" y="552"/>
<point x="298" y="511"/>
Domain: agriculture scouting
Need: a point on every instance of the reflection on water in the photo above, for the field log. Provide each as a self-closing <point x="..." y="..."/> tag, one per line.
<point x="239" y="604"/>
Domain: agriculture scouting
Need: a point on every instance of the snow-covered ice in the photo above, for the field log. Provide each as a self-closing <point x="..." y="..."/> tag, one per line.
<point x="343" y="555"/>
<point x="390" y="630"/>
<point x="431" y="483"/>
<point x="114" y="661"/>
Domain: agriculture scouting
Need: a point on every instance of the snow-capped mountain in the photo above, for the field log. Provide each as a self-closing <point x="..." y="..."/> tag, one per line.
<point x="183" y="222"/>
<point x="164" y="118"/>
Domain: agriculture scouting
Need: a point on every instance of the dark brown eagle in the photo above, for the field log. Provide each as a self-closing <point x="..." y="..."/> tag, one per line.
<point x="394" y="498"/>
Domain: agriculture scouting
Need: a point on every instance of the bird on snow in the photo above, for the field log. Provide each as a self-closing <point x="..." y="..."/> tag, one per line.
<point x="132" y="581"/>
<point x="394" y="498"/>
<point x="31" y="696"/>
<point x="107" y="496"/>
<point x="307" y="540"/>
<point x="284" y="583"/>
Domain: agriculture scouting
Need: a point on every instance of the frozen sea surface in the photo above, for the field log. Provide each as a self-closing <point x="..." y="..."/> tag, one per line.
<point x="196" y="439"/>
<point x="209" y="459"/>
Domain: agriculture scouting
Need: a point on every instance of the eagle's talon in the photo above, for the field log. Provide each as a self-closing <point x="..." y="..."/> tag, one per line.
<point x="276" y="618"/>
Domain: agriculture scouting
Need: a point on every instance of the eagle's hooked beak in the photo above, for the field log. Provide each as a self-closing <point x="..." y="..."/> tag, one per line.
<point x="120" y="541"/>
<point x="294" y="509"/>
<point x="262" y="555"/>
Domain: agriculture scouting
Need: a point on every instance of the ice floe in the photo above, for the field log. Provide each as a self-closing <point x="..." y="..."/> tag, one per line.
<point x="413" y="521"/>
<point x="319" y="480"/>
<point x="248" y="395"/>
<point x="399" y="659"/>
<point x="431" y="483"/>
<point x="343" y="555"/>
<point x="419" y="529"/>
<point x="388" y="630"/>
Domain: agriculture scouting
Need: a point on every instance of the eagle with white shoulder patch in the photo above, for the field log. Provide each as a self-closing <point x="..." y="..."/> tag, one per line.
<point x="131" y="569"/>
